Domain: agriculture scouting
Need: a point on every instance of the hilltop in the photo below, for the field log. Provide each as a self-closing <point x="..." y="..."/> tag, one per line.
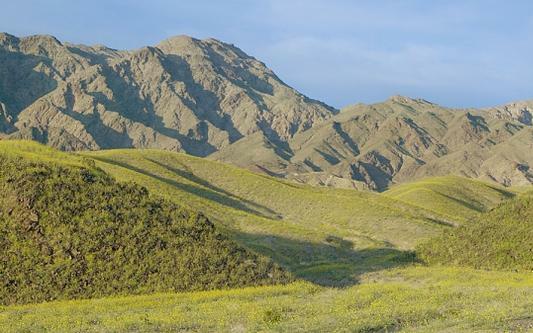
<point x="455" y="198"/>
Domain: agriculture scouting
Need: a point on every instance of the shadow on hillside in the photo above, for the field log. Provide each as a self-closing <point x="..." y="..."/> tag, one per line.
<point x="104" y="136"/>
<point x="190" y="176"/>
<point x="199" y="191"/>
<point x="333" y="262"/>
<point x="23" y="84"/>
<point x="478" y="208"/>
<point x="504" y="193"/>
<point x="133" y="105"/>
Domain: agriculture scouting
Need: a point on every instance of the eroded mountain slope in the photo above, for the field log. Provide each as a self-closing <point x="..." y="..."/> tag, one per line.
<point x="400" y="140"/>
<point x="184" y="94"/>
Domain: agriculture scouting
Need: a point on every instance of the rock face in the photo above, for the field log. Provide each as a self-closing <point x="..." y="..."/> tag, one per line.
<point x="184" y="94"/>
<point x="208" y="98"/>
<point x="401" y="139"/>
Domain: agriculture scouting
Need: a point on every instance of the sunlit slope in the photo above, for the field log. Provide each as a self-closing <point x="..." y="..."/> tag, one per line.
<point x="74" y="232"/>
<point x="416" y="299"/>
<point x="332" y="237"/>
<point x="325" y="235"/>
<point x="239" y="195"/>
<point x="499" y="239"/>
<point x="451" y="197"/>
<point x="37" y="152"/>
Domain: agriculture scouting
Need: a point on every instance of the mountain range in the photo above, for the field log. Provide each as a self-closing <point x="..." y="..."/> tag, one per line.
<point x="210" y="99"/>
<point x="401" y="139"/>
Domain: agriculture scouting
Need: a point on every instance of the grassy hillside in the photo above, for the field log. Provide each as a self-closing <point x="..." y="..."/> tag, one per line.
<point x="417" y="299"/>
<point x="33" y="151"/>
<point x="359" y="240"/>
<point x="453" y="198"/>
<point x="328" y="236"/>
<point x="322" y="235"/>
<point x="72" y="232"/>
<point x="499" y="239"/>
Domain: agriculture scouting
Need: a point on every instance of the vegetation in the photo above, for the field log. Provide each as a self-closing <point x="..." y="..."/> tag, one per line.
<point x="70" y="232"/>
<point x="327" y="236"/>
<point x="453" y="198"/>
<point x="500" y="239"/>
<point x="324" y="235"/>
<point x="415" y="299"/>
<point x="358" y="240"/>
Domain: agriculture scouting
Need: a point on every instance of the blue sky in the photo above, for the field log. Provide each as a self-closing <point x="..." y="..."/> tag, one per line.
<point x="456" y="53"/>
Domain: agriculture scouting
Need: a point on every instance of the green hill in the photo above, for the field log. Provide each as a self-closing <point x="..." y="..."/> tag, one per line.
<point x="74" y="232"/>
<point x="325" y="235"/>
<point x="500" y="239"/>
<point x="328" y="236"/>
<point x="453" y="198"/>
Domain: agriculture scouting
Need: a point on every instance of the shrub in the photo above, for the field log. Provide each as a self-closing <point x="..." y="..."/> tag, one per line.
<point x="69" y="232"/>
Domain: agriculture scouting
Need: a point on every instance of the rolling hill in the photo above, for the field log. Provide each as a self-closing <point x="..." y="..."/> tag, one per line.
<point x="454" y="197"/>
<point x="325" y="235"/>
<point x="73" y="232"/>
<point x="360" y="241"/>
<point x="499" y="239"/>
<point x="185" y="187"/>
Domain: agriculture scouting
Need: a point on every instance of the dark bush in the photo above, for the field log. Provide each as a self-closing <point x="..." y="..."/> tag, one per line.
<point x="69" y="232"/>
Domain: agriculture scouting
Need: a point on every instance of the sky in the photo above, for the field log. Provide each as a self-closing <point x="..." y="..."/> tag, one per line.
<point x="455" y="53"/>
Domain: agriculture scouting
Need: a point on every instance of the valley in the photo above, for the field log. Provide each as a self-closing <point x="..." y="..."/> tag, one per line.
<point x="353" y="254"/>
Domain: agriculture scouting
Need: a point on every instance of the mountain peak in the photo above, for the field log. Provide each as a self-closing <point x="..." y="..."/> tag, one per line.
<point x="9" y="41"/>
<point x="185" y="93"/>
<point x="148" y="51"/>
<point x="188" y="44"/>
<point x="181" y="38"/>
<point x="42" y="39"/>
<point x="408" y="100"/>
<point x="521" y="111"/>
<point x="178" y="42"/>
<point x="4" y="36"/>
